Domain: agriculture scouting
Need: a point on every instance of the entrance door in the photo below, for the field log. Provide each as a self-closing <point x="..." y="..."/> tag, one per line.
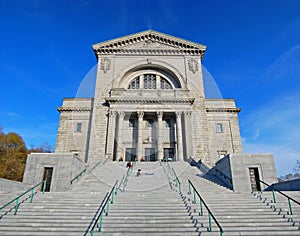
<point x="130" y="154"/>
<point x="254" y="179"/>
<point x="150" y="154"/>
<point x="169" y="154"/>
<point x="48" y="171"/>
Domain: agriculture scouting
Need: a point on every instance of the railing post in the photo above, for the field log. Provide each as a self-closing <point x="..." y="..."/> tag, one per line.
<point x="290" y="206"/>
<point x="274" y="199"/>
<point x="107" y="207"/>
<point x="201" y="210"/>
<point x="116" y="189"/>
<point x="261" y="189"/>
<point x="31" y="196"/>
<point x="194" y="197"/>
<point x="112" y="196"/>
<point x="16" y="206"/>
<point x="189" y="192"/>
<point x="44" y="186"/>
<point x="209" y="222"/>
<point x="100" y="223"/>
<point x="179" y="188"/>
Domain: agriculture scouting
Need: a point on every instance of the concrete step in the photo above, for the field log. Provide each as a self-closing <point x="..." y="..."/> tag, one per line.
<point x="147" y="207"/>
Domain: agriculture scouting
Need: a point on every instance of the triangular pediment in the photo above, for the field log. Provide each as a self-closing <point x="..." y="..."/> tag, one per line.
<point x="149" y="42"/>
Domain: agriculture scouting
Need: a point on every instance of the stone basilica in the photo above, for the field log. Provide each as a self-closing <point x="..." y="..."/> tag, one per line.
<point x="149" y="105"/>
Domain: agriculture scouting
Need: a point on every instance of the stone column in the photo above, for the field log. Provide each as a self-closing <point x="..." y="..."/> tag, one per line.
<point x="159" y="135"/>
<point x="120" y="149"/>
<point x="141" y="81"/>
<point x="179" y="136"/>
<point x="157" y="82"/>
<point x="140" y="134"/>
<point x="188" y="132"/>
<point x="111" y="134"/>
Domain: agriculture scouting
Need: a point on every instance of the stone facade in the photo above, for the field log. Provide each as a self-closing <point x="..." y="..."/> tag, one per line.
<point x="149" y="104"/>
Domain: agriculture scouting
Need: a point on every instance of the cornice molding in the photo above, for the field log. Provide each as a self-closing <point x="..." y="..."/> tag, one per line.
<point x="147" y="51"/>
<point x="150" y="40"/>
<point x="74" y="109"/>
<point x="229" y="110"/>
<point x="150" y="100"/>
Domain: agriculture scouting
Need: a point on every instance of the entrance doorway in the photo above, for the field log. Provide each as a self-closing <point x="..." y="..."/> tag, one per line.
<point x="150" y="154"/>
<point x="254" y="179"/>
<point x="48" y="171"/>
<point x="169" y="154"/>
<point x="130" y="154"/>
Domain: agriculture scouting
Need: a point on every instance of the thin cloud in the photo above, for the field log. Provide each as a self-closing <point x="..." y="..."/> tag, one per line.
<point x="9" y="113"/>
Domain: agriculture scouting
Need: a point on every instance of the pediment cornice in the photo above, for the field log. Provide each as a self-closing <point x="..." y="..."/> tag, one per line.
<point x="228" y="110"/>
<point x="149" y="42"/>
<point x="74" y="109"/>
<point x="189" y="101"/>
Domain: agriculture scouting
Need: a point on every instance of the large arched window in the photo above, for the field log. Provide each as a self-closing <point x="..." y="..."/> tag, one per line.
<point x="135" y="83"/>
<point x="165" y="84"/>
<point x="151" y="81"/>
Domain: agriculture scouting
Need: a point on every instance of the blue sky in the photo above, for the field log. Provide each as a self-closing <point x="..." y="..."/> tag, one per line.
<point x="253" y="54"/>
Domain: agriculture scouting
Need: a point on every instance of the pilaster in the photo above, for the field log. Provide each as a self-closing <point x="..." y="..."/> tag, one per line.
<point x="179" y="136"/>
<point x="159" y="135"/>
<point x="120" y="148"/>
<point x="111" y="134"/>
<point x="140" y="134"/>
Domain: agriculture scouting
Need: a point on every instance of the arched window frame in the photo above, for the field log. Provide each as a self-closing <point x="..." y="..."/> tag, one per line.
<point x="137" y="80"/>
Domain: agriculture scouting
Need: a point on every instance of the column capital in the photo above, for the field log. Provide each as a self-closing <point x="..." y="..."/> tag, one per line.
<point x="140" y="114"/>
<point x="112" y="113"/>
<point x="121" y="114"/>
<point x="178" y="114"/>
<point x="159" y="114"/>
<point x="188" y="113"/>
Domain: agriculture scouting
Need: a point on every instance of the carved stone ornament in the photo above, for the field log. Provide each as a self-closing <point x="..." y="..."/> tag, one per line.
<point x="193" y="65"/>
<point x="105" y="64"/>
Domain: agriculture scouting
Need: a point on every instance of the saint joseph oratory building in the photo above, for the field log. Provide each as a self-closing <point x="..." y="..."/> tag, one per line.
<point x="149" y="105"/>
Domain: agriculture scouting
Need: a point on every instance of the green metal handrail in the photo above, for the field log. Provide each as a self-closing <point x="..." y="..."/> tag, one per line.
<point x="177" y="182"/>
<point x="104" y="207"/>
<point x="77" y="176"/>
<point x="274" y="198"/>
<point x="128" y="173"/>
<point x="202" y="202"/>
<point x="16" y="200"/>
<point x="95" y="216"/>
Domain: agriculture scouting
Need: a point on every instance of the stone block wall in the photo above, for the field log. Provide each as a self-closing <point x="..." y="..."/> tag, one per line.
<point x="240" y="164"/>
<point x="65" y="167"/>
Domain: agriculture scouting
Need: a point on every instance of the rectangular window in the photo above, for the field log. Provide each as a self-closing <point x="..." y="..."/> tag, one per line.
<point x="219" y="128"/>
<point x="78" y="128"/>
<point x="131" y="123"/>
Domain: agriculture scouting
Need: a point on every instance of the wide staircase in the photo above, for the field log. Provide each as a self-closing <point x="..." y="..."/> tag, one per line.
<point x="154" y="203"/>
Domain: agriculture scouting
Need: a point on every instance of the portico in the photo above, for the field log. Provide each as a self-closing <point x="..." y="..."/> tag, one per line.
<point x="148" y="135"/>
